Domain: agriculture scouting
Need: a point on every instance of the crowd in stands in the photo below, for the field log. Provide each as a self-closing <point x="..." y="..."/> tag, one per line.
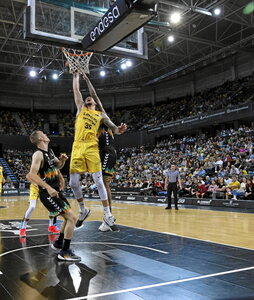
<point x="229" y="94"/>
<point x="33" y="120"/>
<point x="203" y="164"/>
<point x="141" y="117"/>
<point x="8" y="123"/>
<point x="19" y="162"/>
<point x="218" y="166"/>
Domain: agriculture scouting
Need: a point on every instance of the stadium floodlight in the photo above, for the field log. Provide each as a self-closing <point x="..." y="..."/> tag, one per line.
<point x="123" y="66"/>
<point x="128" y="63"/>
<point x="102" y="73"/>
<point x="55" y="76"/>
<point x="217" y="11"/>
<point x="32" y="73"/>
<point x="202" y="11"/>
<point x="175" y="17"/>
<point x="171" y="38"/>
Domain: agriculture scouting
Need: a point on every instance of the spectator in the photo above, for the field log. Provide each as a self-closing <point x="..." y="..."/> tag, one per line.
<point x="233" y="185"/>
<point x="212" y="189"/>
<point x="241" y="191"/>
<point x="186" y="188"/>
<point x="234" y="171"/>
<point x="194" y="187"/>
<point x="250" y="166"/>
<point x="249" y="193"/>
<point x="201" y="190"/>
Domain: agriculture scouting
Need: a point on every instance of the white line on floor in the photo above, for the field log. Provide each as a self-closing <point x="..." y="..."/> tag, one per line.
<point x="162" y="284"/>
<point x="188" y="237"/>
<point x="207" y="241"/>
<point x="81" y="243"/>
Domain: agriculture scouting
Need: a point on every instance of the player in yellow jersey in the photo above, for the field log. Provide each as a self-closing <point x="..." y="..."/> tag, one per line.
<point x="1" y="179"/>
<point x="33" y="197"/>
<point x="85" y="155"/>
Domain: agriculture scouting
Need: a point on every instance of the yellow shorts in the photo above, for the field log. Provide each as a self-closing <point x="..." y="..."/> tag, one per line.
<point x="85" y="157"/>
<point x="34" y="192"/>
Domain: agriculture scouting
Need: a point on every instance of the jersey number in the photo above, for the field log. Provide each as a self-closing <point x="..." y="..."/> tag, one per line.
<point x="88" y="126"/>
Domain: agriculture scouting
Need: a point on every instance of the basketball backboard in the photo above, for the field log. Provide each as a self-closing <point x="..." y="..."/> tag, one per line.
<point x="65" y="23"/>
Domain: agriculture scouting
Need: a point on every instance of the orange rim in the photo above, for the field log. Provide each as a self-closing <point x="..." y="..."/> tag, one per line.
<point x="73" y="54"/>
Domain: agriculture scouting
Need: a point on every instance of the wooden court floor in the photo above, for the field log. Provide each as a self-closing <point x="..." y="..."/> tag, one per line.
<point x="158" y="254"/>
<point x="226" y="227"/>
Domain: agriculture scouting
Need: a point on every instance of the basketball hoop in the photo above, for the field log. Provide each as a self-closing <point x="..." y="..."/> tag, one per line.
<point x="78" y="60"/>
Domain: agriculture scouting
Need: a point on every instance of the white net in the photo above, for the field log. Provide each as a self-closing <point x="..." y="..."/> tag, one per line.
<point x="78" y="60"/>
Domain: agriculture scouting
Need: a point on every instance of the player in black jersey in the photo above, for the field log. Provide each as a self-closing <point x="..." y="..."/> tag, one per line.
<point x="43" y="172"/>
<point x="108" y="161"/>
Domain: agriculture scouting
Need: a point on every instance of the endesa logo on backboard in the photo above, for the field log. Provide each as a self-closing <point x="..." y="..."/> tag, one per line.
<point x="113" y="14"/>
<point x="109" y="18"/>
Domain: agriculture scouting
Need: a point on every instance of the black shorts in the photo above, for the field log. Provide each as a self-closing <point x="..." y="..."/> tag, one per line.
<point x="55" y="205"/>
<point x="108" y="160"/>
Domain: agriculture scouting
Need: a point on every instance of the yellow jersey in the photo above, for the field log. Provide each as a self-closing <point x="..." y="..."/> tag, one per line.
<point x="234" y="185"/>
<point x="1" y="172"/>
<point x="86" y="125"/>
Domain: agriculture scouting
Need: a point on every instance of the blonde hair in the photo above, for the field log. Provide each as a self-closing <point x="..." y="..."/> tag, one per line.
<point x="34" y="137"/>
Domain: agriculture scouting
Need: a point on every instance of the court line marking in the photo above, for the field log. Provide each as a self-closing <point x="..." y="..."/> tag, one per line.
<point x="16" y="231"/>
<point x="79" y="243"/>
<point x="188" y="237"/>
<point x="28" y="236"/>
<point x="162" y="284"/>
<point x="168" y="233"/>
<point x="207" y="241"/>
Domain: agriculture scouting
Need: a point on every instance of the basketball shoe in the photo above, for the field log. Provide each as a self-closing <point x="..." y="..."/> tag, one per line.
<point x="82" y="217"/>
<point x="53" y="229"/>
<point x="22" y="232"/>
<point x="68" y="255"/>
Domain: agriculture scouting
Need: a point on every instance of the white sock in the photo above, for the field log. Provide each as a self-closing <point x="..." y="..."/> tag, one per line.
<point x="23" y="224"/>
<point x="51" y="221"/>
<point x="82" y="206"/>
<point x="107" y="211"/>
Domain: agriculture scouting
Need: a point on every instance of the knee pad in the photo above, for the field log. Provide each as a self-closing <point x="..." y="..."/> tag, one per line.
<point x="75" y="186"/>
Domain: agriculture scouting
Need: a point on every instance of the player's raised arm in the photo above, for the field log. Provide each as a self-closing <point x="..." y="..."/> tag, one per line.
<point x="93" y="93"/>
<point x="116" y="129"/>
<point x="77" y="94"/>
<point x="60" y="162"/>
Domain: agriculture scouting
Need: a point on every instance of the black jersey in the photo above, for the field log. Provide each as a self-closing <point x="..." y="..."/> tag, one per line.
<point x="106" y="137"/>
<point x="107" y="150"/>
<point x="48" y="172"/>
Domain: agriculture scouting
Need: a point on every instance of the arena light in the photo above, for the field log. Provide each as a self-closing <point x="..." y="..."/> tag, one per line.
<point x="128" y="63"/>
<point x="55" y="76"/>
<point x="217" y="11"/>
<point x="32" y="73"/>
<point x="171" y="38"/>
<point x="123" y="66"/>
<point x="102" y="73"/>
<point x="202" y="11"/>
<point x="175" y="18"/>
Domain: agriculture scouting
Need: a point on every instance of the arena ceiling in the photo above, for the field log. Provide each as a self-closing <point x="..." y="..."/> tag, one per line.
<point x="200" y="39"/>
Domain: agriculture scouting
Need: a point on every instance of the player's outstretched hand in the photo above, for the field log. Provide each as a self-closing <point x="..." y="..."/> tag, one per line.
<point x="63" y="157"/>
<point x="121" y="128"/>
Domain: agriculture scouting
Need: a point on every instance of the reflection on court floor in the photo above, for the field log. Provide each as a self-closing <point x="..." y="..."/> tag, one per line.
<point x="130" y="264"/>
